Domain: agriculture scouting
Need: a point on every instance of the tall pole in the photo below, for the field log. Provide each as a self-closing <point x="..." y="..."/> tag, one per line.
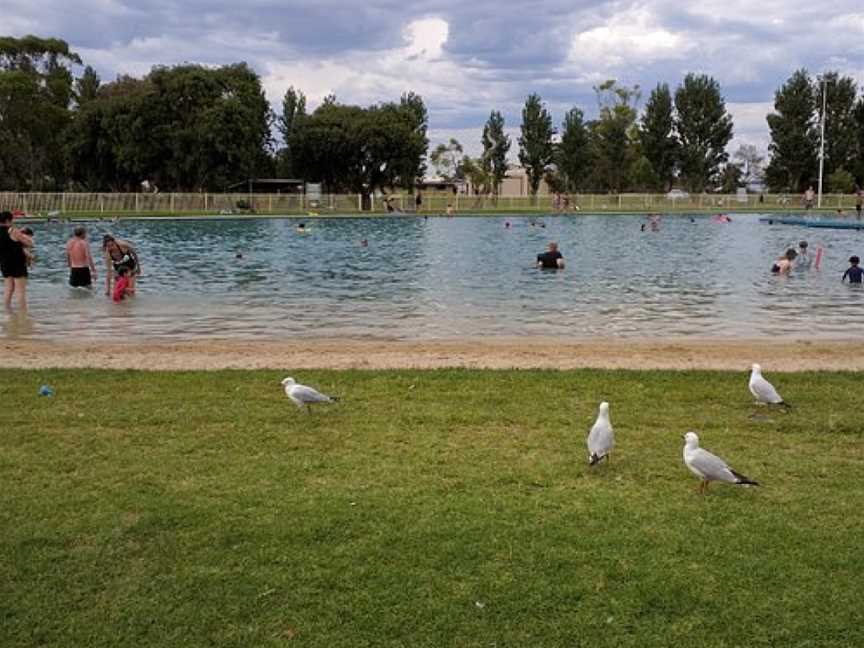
<point x="822" y="144"/>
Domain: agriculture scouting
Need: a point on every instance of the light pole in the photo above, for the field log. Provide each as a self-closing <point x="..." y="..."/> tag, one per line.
<point x="822" y="143"/>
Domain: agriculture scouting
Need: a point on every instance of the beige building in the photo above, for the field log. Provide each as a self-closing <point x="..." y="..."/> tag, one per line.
<point x="515" y="183"/>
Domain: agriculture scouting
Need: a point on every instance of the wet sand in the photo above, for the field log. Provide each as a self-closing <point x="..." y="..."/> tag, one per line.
<point x="737" y="355"/>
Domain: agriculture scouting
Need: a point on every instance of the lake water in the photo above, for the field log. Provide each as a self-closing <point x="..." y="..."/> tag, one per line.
<point x="446" y="278"/>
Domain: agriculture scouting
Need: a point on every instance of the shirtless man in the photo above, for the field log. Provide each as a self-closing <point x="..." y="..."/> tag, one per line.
<point x="82" y="269"/>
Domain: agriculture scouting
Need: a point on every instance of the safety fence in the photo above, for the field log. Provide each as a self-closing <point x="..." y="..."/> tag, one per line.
<point x="48" y="204"/>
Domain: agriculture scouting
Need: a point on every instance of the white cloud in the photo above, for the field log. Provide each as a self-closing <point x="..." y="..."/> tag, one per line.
<point x="421" y="65"/>
<point x="750" y="124"/>
<point x="632" y="37"/>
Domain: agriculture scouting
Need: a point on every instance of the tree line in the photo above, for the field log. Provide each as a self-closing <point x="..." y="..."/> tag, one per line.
<point x="196" y="128"/>
<point x="795" y="127"/>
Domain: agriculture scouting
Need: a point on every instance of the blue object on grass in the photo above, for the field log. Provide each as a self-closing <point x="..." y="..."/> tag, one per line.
<point x="46" y="390"/>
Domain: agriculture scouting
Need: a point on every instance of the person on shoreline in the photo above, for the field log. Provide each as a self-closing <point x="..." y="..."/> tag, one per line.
<point x="418" y="202"/>
<point x="13" y="261"/>
<point x="783" y="266"/>
<point x="859" y="202"/>
<point x="853" y="272"/>
<point x="119" y="254"/>
<point x="123" y="288"/>
<point x="82" y="268"/>
<point x="808" y="198"/>
<point x="552" y="259"/>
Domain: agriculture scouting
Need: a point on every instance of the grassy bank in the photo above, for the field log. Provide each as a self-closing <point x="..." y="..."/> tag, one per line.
<point x="439" y="508"/>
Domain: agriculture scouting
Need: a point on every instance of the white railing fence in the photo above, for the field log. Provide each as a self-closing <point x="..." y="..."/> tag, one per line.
<point x="216" y="203"/>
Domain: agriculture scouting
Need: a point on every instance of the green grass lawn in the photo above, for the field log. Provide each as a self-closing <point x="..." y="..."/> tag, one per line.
<point x="427" y="508"/>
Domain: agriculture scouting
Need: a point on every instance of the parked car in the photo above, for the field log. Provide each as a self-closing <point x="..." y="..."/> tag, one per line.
<point x="677" y="194"/>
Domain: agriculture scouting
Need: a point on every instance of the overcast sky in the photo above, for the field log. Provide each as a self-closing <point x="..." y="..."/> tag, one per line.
<point x="467" y="57"/>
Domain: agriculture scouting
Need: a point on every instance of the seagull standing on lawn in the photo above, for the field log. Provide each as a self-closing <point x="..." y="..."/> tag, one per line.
<point x="709" y="467"/>
<point x="601" y="439"/>
<point x="763" y="390"/>
<point x="303" y="396"/>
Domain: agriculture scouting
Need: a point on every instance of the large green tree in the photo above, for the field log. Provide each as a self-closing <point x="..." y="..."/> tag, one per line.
<point x="412" y="165"/>
<point x="858" y="167"/>
<point x="535" y="143"/>
<point x="841" y="129"/>
<point x="36" y="92"/>
<point x="186" y="128"/>
<point x="573" y="154"/>
<point x="87" y="86"/>
<point x="360" y="150"/>
<point x="704" y="129"/>
<point x="793" y="146"/>
<point x="657" y="135"/>
<point x="293" y="112"/>
<point x="614" y="135"/>
<point x="496" y="145"/>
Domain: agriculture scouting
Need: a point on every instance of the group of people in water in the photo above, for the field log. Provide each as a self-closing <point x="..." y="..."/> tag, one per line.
<point x="122" y="265"/>
<point x="797" y="260"/>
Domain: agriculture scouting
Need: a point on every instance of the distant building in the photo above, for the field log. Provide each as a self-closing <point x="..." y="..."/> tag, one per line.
<point x="441" y="185"/>
<point x="516" y="183"/>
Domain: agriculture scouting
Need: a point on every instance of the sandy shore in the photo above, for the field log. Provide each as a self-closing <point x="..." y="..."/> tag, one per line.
<point x="789" y="355"/>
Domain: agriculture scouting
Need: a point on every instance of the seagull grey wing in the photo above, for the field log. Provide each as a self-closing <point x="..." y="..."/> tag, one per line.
<point x="600" y="440"/>
<point x="764" y="391"/>
<point x="711" y="466"/>
<point x="308" y="395"/>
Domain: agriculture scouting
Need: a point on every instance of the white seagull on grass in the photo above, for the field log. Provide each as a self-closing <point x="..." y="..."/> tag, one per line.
<point x="763" y="390"/>
<point x="709" y="467"/>
<point x="303" y="396"/>
<point x="601" y="439"/>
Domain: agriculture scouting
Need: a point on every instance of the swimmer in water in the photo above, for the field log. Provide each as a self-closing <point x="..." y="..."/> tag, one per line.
<point x="301" y="228"/>
<point x="507" y="224"/>
<point x="364" y="243"/>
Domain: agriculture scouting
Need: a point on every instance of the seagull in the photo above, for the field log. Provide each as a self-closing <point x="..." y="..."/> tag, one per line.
<point x="763" y="390"/>
<point x="709" y="467"/>
<point x="601" y="439"/>
<point x="304" y="396"/>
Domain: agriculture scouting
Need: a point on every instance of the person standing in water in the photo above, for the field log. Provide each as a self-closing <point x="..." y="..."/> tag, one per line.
<point x="82" y="269"/>
<point x="551" y="259"/>
<point x="13" y="261"/>
<point x="119" y="254"/>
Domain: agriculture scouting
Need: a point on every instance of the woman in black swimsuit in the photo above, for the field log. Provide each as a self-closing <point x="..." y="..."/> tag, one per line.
<point x="119" y="254"/>
<point x="13" y="261"/>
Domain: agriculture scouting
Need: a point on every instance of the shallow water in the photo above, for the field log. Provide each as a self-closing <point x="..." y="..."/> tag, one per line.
<point x="449" y="278"/>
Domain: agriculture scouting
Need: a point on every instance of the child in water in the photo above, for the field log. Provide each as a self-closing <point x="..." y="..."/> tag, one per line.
<point x="854" y="273"/>
<point x="28" y="251"/>
<point x="783" y="265"/>
<point x="122" y="287"/>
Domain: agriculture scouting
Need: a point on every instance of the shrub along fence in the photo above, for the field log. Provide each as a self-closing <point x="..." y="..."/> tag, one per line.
<point x="220" y="203"/>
